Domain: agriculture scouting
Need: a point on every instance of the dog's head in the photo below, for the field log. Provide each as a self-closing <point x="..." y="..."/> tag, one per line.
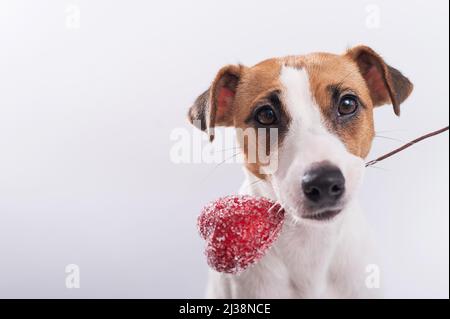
<point x="320" y="106"/>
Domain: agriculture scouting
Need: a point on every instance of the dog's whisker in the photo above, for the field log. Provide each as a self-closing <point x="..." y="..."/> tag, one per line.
<point x="390" y="138"/>
<point x="377" y="167"/>
<point x="227" y="149"/>
<point x="389" y="131"/>
<point x="254" y="183"/>
<point x="208" y="175"/>
<point x="275" y="204"/>
<point x="227" y="159"/>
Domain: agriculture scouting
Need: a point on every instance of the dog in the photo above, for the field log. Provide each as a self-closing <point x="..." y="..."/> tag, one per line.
<point x="321" y="105"/>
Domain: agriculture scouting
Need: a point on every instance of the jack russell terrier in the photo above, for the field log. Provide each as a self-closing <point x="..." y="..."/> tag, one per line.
<point x="322" y="107"/>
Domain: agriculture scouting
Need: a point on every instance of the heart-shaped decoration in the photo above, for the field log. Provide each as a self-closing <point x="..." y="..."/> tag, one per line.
<point x="238" y="231"/>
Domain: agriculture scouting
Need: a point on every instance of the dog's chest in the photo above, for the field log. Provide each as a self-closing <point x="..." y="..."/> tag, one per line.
<point x="308" y="261"/>
<point x="307" y="258"/>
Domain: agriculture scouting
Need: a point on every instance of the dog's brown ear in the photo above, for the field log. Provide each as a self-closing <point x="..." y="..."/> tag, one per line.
<point x="386" y="84"/>
<point x="214" y="106"/>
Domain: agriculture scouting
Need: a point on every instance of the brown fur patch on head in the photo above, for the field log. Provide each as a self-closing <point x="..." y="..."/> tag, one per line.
<point x="255" y="87"/>
<point x="332" y="75"/>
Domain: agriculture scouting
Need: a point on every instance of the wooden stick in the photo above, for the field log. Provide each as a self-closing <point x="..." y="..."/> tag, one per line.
<point x="442" y="130"/>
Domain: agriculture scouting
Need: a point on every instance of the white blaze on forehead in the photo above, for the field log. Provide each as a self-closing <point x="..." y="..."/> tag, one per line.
<point x="299" y="99"/>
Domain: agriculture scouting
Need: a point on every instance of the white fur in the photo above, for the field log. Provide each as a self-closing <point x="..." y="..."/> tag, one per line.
<point x="310" y="259"/>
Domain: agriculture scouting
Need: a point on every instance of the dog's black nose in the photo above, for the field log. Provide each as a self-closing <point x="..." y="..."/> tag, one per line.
<point x="324" y="185"/>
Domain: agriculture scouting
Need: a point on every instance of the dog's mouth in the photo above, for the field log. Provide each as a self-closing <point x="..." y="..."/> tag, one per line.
<point x="325" y="215"/>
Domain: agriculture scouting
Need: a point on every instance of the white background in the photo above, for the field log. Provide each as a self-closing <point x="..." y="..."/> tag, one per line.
<point x="86" y="114"/>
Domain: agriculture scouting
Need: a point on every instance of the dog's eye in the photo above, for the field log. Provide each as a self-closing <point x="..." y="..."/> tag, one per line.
<point x="266" y="115"/>
<point x="348" y="104"/>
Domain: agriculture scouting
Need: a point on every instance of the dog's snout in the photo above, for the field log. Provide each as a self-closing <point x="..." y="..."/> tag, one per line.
<point x="324" y="185"/>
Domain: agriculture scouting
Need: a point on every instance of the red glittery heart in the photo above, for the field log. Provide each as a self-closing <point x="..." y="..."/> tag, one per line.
<point x="238" y="231"/>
